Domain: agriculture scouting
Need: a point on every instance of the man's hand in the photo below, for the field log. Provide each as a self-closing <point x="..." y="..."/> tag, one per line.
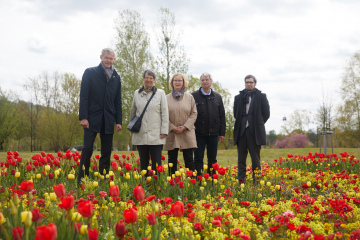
<point x="162" y="136"/>
<point x="84" y="123"/>
<point x="221" y="139"/>
<point x="118" y="127"/>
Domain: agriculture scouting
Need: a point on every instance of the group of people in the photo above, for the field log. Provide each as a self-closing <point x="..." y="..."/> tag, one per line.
<point x="179" y="121"/>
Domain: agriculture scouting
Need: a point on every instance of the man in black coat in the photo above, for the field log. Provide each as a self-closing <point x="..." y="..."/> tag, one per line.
<point x="100" y="109"/>
<point x="210" y="123"/>
<point x="251" y="111"/>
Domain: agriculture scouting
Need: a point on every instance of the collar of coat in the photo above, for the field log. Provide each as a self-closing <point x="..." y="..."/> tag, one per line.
<point x="255" y="89"/>
<point x="100" y="71"/>
<point x="211" y="94"/>
<point x="154" y="89"/>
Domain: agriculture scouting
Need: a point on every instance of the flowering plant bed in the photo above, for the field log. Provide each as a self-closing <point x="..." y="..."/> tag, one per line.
<point x="298" y="197"/>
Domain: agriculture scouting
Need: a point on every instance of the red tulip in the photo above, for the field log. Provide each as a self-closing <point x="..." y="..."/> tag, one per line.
<point x="17" y="233"/>
<point x="160" y="168"/>
<point x="120" y="230"/>
<point x="181" y="184"/>
<point x="215" y="166"/>
<point x="97" y="156"/>
<point x="26" y="186"/>
<point x="85" y="209"/>
<point x="114" y="166"/>
<point x="35" y="215"/>
<point x="28" y="168"/>
<point x="67" y="202"/>
<point x="93" y="234"/>
<point x="130" y="215"/>
<point x="193" y="181"/>
<point x="114" y="191"/>
<point x="48" y="232"/>
<point x="139" y="193"/>
<point x="221" y="171"/>
<point x="206" y="176"/>
<point x="128" y="166"/>
<point x="59" y="190"/>
<point x="215" y="176"/>
<point x="151" y="218"/>
<point x="177" y="209"/>
<point x="77" y="227"/>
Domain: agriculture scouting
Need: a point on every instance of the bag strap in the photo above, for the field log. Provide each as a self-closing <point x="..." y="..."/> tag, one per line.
<point x="142" y="114"/>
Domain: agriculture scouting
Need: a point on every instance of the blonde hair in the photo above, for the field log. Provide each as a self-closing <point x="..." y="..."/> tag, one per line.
<point x="183" y="77"/>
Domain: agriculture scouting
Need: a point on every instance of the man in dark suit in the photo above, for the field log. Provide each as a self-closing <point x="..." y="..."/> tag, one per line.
<point x="100" y="109"/>
<point x="251" y="111"/>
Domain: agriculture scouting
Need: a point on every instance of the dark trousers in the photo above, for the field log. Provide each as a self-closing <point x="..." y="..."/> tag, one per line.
<point x="211" y="143"/>
<point x="246" y="143"/>
<point x="145" y="151"/>
<point x="87" y="151"/>
<point x="188" y="159"/>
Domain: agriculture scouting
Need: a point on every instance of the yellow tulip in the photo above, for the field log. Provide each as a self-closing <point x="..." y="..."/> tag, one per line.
<point x="24" y="215"/>
<point x="95" y="184"/>
<point x="168" y="178"/>
<point x="171" y="165"/>
<point x="215" y="181"/>
<point x="56" y="172"/>
<point x="242" y="185"/>
<point x="277" y="187"/>
<point x="47" y="168"/>
<point x="268" y="184"/>
<point x="112" y="184"/>
<point x="102" y="177"/>
<point x="107" y="175"/>
<point x="143" y="172"/>
<point x="148" y="179"/>
<point x="96" y="174"/>
<point x="149" y="168"/>
<point x="83" y="229"/>
<point x="165" y="166"/>
<point x="127" y="177"/>
<point x="119" y="169"/>
<point x="182" y="170"/>
<point x="2" y="219"/>
<point x="204" y="184"/>
<point x="262" y="182"/>
<point x="53" y="196"/>
<point x="308" y="183"/>
<point x="71" y="176"/>
<point x="17" y="174"/>
<point x="177" y="173"/>
<point x="38" y="176"/>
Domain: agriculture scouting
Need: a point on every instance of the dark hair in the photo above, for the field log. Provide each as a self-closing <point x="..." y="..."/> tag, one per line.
<point x="149" y="72"/>
<point x="250" y="76"/>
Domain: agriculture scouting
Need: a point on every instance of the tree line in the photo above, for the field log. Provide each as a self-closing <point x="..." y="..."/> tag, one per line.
<point x="49" y="119"/>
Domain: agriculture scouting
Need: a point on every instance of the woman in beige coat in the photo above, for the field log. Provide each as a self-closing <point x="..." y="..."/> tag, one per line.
<point x="154" y="124"/>
<point x="182" y="116"/>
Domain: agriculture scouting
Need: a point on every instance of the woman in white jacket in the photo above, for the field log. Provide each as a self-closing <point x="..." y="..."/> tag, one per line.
<point x="154" y="124"/>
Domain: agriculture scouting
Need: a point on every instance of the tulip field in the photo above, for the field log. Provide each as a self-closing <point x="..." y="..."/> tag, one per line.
<point x="316" y="196"/>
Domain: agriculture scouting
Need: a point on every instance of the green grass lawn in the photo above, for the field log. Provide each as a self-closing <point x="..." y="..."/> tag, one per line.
<point x="229" y="157"/>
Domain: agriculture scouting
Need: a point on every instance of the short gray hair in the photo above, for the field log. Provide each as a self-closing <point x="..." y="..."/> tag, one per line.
<point x="150" y="73"/>
<point x="206" y="74"/>
<point x="107" y="50"/>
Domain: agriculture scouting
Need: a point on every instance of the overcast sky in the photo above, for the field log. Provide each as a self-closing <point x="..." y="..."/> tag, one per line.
<point x="295" y="48"/>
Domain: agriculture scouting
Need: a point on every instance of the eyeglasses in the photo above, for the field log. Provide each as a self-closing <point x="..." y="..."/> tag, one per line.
<point x="249" y="82"/>
<point x="178" y="81"/>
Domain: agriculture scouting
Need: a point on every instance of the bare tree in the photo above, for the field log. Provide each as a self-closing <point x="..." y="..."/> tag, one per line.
<point x="172" y="57"/>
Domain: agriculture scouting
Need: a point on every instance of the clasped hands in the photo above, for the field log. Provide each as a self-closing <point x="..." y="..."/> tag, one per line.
<point x="179" y="129"/>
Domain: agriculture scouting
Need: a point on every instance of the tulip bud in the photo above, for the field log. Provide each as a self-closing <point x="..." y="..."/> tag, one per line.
<point x="6" y="193"/>
<point x="83" y="167"/>
<point x="205" y="167"/>
<point x="16" y="200"/>
<point x="13" y="209"/>
<point x="24" y="216"/>
<point x="107" y="176"/>
<point x="104" y="171"/>
<point x="28" y="220"/>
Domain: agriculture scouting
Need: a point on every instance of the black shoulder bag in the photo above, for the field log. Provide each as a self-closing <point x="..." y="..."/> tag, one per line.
<point x="135" y="123"/>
